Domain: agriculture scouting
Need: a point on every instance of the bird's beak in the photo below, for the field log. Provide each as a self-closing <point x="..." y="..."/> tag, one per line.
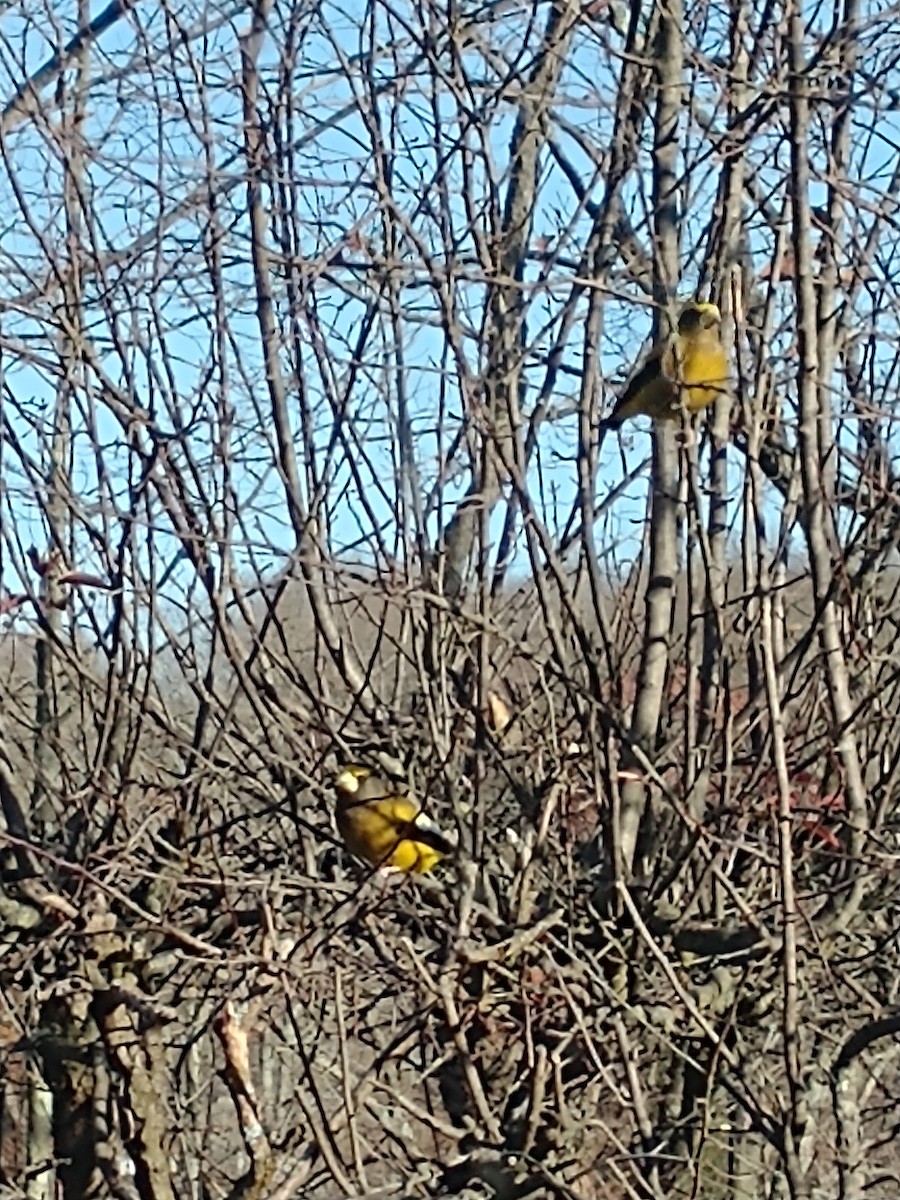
<point x="711" y="316"/>
<point x="347" y="782"/>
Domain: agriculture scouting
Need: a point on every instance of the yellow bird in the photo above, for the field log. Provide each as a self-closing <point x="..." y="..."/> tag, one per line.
<point x="386" y="829"/>
<point x="685" y="372"/>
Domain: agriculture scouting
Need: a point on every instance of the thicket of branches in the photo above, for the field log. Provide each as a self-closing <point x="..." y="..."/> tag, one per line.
<point x="307" y="317"/>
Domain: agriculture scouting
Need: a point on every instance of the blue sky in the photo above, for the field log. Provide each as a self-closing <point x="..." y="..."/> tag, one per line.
<point x="161" y="309"/>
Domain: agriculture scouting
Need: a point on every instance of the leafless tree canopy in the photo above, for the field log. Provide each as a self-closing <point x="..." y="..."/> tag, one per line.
<point x="308" y="314"/>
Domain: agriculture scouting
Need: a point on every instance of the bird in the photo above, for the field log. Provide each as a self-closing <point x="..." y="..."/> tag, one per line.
<point x="385" y="828"/>
<point x="685" y="372"/>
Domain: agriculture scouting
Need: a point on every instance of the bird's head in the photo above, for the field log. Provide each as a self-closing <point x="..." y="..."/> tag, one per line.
<point x="699" y="314"/>
<point x="349" y="778"/>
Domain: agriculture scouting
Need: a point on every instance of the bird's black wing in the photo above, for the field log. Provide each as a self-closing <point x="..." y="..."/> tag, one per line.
<point x="428" y="837"/>
<point x="645" y="377"/>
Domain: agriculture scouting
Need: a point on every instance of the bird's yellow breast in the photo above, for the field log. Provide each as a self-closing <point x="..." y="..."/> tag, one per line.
<point x="702" y="373"/>
<point x="374" y="830"/>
